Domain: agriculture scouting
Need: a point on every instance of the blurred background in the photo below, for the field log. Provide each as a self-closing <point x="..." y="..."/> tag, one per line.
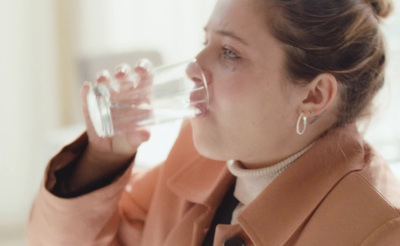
<point x="48" y="48"/>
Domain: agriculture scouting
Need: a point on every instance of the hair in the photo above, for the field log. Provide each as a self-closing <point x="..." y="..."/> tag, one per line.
<point x="340" y="37"/>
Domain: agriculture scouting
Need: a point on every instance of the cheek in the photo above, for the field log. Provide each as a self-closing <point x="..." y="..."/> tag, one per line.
<point x="231" y="91"/>
<point x="241" y="109"/>
<point x="215" y="133"/>
<point x="244" y="97"/>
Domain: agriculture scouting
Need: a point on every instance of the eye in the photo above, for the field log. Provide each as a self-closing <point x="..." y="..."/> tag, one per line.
<point x="229" y="54"/>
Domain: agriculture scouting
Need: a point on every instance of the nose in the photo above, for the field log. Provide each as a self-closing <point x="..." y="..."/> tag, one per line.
<point x="195" y="73"/>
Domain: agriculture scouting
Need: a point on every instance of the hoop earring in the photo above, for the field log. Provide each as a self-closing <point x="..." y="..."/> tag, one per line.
<point x="301" y="117"/>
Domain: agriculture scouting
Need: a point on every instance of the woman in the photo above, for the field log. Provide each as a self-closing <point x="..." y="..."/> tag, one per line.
<point x="277" y="160"/>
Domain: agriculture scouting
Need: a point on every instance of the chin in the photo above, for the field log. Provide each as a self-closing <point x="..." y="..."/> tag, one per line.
<point x="208" y="152"/>
<point x="205" y="141"/>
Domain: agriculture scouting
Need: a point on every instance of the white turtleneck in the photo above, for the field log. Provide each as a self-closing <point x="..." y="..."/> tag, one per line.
<point x="251" y="182"/>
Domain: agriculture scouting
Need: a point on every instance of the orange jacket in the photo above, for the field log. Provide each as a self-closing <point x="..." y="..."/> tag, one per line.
<point x="339" y="193"/>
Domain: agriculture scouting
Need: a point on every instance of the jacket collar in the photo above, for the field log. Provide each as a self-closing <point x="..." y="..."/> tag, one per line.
<point x="283" y="207"/>
<point x="196" y="178"/>
<point x="202" y="181"/>
<point x="286" y="203"/>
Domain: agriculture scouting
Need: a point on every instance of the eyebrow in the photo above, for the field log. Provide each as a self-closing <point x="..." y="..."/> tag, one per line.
<point x="229" y="34"/>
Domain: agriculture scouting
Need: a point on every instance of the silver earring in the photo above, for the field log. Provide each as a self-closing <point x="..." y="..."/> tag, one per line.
<point x="304" y="119"/>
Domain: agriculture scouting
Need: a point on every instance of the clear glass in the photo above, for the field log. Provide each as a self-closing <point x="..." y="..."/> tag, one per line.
<point x="168" y="93"/>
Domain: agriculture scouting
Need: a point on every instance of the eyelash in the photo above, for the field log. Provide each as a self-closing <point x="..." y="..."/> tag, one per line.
<point x="227" y="53"/>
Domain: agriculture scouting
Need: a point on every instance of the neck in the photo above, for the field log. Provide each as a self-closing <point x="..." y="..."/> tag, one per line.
<point x="281" y="151"/>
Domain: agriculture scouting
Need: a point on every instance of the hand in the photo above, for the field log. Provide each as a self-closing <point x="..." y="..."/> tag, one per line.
<point x="106" y="157"/>
<point x="121" y="147"/>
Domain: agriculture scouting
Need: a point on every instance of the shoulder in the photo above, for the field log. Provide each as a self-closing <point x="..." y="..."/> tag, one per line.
<point x="372" y="185"/>
<point x="383" y="189"/>
<point x="385" y="234"/>
<point x="379" y="182"/>
<point x="362" y="207"/>
<point x="366" y="203"/>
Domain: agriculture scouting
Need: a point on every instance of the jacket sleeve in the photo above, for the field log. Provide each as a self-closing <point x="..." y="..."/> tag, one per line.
<point x="386" y="234"/>
<point x="89" y="219"/>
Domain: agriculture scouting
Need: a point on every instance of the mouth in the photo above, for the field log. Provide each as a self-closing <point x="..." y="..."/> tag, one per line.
<point x="199" y="100"/>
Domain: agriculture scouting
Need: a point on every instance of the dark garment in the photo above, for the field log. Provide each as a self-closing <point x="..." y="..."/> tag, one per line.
<point x="222" y="216"/>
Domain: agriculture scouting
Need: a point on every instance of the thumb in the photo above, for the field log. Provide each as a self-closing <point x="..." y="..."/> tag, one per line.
<point x="138" y="136"/>
<point x="129" y="143"/>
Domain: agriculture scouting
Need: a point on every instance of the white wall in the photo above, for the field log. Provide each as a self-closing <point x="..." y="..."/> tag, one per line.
<point x="384" y="130"/>
<point x="174" y="27"/>
<point x="28" y="104"/>
<point x="40" y="42"/>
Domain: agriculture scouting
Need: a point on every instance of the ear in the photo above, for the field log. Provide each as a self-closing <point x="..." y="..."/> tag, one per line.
<point x="319" y="95"/>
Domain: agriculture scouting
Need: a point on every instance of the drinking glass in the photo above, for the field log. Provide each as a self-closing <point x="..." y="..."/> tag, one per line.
<point x="167" y="93"/>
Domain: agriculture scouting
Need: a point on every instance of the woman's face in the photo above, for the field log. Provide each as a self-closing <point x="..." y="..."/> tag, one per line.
<point x="253" y="109"/>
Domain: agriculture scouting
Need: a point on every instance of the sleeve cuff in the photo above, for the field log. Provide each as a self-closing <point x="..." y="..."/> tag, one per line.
<point x="62" y="165"/>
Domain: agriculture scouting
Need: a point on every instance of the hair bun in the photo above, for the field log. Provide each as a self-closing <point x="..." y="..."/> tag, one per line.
<point x="381" y="8"/>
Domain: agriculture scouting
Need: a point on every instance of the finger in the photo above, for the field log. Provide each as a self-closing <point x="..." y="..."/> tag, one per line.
<point x="129" y="143"/>
<point x="103" y="77"/>
<point x="143" y="68"/>
<point x="126" y="78"/>
<point x="137" y="137"/>
<point x="84" y="91"/>
<point x="89" y="125"/>
<point x="140" y="135"/>
<point x="122" y="71"/>
<point x="138" y="79"/>
<point x="127" y="81"/>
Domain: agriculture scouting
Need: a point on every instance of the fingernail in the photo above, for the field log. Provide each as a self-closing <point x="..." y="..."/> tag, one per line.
<point x="123" y="68"/>
<point x="85" y="84"/>
<point x="103" y="75"/>
<point x="145" y="63"/>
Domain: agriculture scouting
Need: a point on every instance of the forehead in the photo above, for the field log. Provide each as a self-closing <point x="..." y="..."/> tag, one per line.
<point x="238" y="15"/>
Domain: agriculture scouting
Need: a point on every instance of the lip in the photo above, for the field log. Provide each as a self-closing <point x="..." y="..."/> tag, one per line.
<point x="199" y="100"/>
